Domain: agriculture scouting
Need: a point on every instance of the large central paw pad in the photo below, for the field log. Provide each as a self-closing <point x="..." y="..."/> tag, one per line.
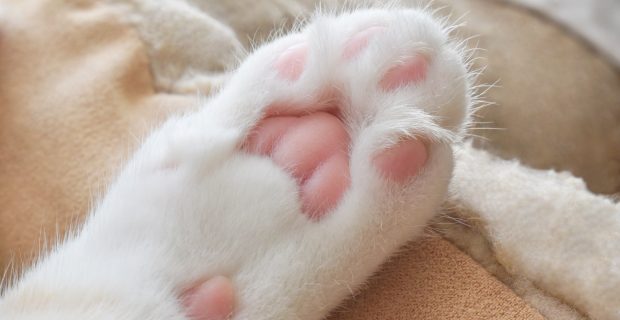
<point x="315" y="150"/>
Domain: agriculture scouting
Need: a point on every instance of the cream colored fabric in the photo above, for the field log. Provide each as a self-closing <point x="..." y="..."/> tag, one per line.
<point x="569" y="247"/>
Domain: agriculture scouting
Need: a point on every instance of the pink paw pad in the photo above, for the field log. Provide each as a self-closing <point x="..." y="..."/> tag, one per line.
<point x="359" y="41"/>
<point x="402" y="161"/>
<point x="210" y="300"/>
<point x="411" y="70"/>
<point x="290" y="64"/>
<point x="314" y="149"/>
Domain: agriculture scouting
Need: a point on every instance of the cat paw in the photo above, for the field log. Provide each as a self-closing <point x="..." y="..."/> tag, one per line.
<point x="343" y="155"/>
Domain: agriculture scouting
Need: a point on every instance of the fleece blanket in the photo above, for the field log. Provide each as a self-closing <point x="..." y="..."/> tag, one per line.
<point x="82" y="81"/>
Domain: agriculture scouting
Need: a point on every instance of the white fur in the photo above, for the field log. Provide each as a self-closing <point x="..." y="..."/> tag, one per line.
<point x="190" y="205"/>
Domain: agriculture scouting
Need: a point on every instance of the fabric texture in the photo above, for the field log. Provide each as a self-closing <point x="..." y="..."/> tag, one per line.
<point x="432" y="279"/>
<point x="76" y="97"/>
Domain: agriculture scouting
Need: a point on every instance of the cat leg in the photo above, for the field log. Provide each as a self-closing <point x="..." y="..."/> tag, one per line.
<point x="327" y="150"/>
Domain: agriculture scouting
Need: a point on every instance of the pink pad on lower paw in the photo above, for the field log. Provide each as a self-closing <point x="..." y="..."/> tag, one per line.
<point x="402" y="161"/>
<point x="210" y="300"/>
<point x="412" y="70"/>
<point x="290" y="64"/>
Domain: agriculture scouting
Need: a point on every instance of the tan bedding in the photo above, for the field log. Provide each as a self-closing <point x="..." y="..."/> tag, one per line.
<point x="78" y="90"/>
